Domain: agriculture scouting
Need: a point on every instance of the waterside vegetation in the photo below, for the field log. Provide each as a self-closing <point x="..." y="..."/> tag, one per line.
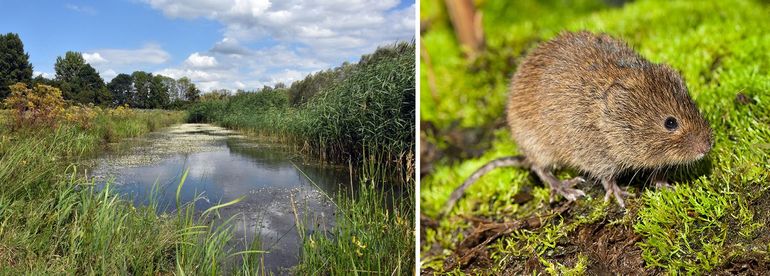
<point x="347" y="114"/>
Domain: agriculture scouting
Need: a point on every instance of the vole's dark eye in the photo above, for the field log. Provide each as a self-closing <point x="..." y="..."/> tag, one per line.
<point x="671" y="124"/>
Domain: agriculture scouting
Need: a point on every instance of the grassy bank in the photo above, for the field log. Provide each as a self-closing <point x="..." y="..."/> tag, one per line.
<point x="714" y="222"/>
<point x="342" y="114"/>
<point x="373" y="232"/>
<point x="360" y="113"/>
<point x="52" y="220"/>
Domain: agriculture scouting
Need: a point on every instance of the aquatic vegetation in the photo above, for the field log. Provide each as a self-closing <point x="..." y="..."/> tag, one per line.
<point x="200" y="243"/>
<point x="370" y="109"/>
<point x="714" y="219"/>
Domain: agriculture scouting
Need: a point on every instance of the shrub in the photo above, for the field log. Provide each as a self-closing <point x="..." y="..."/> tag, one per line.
<point x="38" y="106"/>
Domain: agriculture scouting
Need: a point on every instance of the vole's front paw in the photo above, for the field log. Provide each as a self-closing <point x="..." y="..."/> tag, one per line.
<point x="618" y="193"/>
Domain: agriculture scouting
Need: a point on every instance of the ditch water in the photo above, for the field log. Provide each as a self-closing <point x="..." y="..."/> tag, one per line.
<point x="223" y="166"/>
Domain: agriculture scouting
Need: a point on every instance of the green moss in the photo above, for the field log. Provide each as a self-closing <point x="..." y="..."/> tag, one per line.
<point x="683" y="226"/>
<point x="702" y="223"/>
<point x="560" y="269"/>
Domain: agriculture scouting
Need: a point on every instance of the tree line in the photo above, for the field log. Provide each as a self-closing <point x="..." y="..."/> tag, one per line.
<point x="81" y="83"/>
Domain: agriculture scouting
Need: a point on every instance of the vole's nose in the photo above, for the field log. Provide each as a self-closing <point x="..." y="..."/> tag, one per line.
<point x="702" y="148"/>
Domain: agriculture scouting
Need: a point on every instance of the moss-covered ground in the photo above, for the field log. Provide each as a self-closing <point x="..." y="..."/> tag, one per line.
<point x="714" y="218"/>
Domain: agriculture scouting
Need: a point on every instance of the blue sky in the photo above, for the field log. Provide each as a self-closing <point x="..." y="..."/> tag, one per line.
<point x="233" y="44"/>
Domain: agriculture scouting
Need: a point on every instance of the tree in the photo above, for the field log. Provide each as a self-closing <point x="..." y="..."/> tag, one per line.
<point x="79" y="81"/>
<point x="216" y="94"/>
<point x="173" y="90"/>
<point x="191" y="93"/>
<point x="158" y="92"/>
<point x="142" y="82"/>
<point x="266" y="89"/>
<point x="14" y="63"/>
<point x="122" y="89"/>
<point x="68" y="68"/>
<point x="94" y="89"/>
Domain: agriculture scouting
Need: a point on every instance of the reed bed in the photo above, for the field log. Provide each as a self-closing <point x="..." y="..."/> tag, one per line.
<point x="367" y="107"/>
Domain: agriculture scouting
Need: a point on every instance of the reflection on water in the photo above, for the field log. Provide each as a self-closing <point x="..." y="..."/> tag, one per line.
<point x="224" y="166"/>
<point x="220" y="176"/>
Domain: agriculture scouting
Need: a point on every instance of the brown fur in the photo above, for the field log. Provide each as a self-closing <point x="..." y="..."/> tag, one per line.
<point x="589" y="102"/>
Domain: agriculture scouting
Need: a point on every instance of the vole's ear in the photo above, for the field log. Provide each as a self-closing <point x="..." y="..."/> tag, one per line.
<point x="613" y="104"/>
<point x="613" y="100"/>
<point x="614" y="91"/>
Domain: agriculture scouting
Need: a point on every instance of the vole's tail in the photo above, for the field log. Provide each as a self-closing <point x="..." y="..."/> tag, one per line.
<point x="511" y="161"/>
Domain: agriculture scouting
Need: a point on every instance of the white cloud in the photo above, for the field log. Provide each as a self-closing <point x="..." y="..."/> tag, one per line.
<point x="229" y="46"/>
<point x="44" y="74"/>
<point x="284" y="40"/>
<point x="208" y="78"/>
<point x="201" y="61"/>
<point x="282" y="57"/>
<point x="210" y="8"/>
<point x="110" y="61"/>
<point x="108" y="75"/>
<point x="287" y="76"/>
<point x="208" y="85"/>
<point x="94" y="58"/>
<point x="196" y="75"/>
<point x="149" y="54"/>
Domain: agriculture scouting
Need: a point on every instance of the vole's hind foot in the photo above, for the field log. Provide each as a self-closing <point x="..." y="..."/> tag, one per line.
<point x="613" y="190"/>
<point x="564" y="188"/>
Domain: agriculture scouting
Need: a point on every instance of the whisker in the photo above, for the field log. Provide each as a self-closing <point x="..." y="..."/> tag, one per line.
<point x="651" y="175"/>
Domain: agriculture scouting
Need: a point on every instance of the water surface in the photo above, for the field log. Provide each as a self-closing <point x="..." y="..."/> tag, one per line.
<point x="224" y="166"/>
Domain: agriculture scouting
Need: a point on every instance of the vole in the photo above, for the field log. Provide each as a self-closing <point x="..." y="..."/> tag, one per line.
<point x="589" y="102"/>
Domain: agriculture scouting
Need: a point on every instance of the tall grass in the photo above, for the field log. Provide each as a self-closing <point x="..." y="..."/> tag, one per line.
<point x="367" y="107"/>
<point x="201" y="241"/>
<point x="54" y="221"/>
<point x="373" y="231"/>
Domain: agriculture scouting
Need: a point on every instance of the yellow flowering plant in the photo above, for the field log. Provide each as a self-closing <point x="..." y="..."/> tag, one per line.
<point x="40" y="105"/>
